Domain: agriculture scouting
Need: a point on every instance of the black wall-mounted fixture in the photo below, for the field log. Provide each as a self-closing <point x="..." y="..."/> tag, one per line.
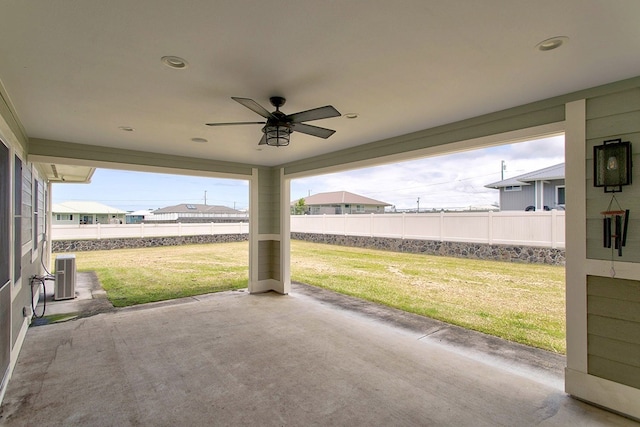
<point x="612" y="165"/>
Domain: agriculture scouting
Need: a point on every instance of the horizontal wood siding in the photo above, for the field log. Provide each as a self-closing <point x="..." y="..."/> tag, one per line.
<point x="613" y="116"/>
<point x="613" y="326"/>
<point x="269" y="201"/>
<point x="268" y="260"/>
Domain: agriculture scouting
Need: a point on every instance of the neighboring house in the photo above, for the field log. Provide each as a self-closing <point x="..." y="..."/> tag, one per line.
<point x="340" y="202"/>
<point x="538" y="190"/>
<point x="191" y="212"/>
<point x="78" y="212"/>
<point x="136" y="217"/>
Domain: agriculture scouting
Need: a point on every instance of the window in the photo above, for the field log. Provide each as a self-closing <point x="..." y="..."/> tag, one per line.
<point x="359" y="208"/>
<point x="42" y="217"/>
<point x="17" y="219"/>
<point x="64" y="217"/>
<point x="560" y="195"/>
<point x="513" y="188"/>
<point x="5" y="215"/>
<point x="27" y="205"/>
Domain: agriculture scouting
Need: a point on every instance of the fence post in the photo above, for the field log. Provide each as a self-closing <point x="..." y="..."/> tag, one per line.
<point x="344" y="224"/>
<point x="554" y="228"/>
<point x="404" y="217"/>
<point x="179" y="229"/>
<point x="490" y="227"/>
<point x="442" y="226"/>
<point x="371" y="225"/>
<point x="99" y="231"/>
<point x="142" y="230"/>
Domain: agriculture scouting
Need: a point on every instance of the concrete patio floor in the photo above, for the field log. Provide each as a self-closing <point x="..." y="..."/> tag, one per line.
<point x="309" y="358"/>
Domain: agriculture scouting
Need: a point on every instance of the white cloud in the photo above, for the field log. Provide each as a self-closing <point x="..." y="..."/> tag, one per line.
<point x="455" y="180"/>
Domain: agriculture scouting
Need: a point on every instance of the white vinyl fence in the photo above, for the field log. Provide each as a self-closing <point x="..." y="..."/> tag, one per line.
<point x="114" y="231"/>
<point x="543" y="229"/>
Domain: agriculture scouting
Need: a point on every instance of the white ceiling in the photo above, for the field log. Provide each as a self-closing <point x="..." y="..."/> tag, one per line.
<point x="77" y="70"/>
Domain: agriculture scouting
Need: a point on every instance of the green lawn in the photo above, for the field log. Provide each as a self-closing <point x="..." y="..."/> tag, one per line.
<point x="138" y="276"/>
<point x="518" y="302"/>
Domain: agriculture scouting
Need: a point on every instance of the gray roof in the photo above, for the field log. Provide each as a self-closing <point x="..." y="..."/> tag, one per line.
<point x="196" y="208"/>
<point x="546" y="174"/>
<point x="340" y="197"/>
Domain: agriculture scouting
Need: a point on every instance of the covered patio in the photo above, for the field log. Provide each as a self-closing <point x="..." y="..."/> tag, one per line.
<point x="133" y="85"/>
<point x="310" y="358"/>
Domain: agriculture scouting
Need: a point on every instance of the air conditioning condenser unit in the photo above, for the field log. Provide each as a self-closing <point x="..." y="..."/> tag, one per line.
<point x="65" y="287"/>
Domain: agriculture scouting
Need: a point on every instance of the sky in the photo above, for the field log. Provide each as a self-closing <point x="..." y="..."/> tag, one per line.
<point x="442" y="182"/>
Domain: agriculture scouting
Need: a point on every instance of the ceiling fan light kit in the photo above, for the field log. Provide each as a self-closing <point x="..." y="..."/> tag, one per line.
<point x="277" y="136"/>
<point x="279" y="126"/>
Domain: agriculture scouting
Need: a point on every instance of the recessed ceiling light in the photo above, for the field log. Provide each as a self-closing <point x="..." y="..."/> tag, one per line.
<point x="126" y="128"/>
<point x="552" y="43"/>
<point x="199" y="140"/>
<point x="351" y="116"/>
<point x="174" y="62"/>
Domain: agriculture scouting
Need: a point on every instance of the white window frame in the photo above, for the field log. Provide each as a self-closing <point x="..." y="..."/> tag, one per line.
<point x="510" y="188"/>
<point x="27" y="202"/>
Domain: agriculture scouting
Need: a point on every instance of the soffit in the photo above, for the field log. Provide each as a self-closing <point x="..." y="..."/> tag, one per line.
<point x="77" y="71"/>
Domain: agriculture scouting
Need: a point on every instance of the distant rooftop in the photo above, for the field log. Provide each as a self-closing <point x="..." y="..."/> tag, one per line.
<point x="546" y="174"/>
<point x="196" y="208"/>
<point x="80" y="207"/>
<point x="340" y="197"/>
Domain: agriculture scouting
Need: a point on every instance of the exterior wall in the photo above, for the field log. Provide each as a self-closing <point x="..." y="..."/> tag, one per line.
<point x="594" y="373"/>
<point x="613" y="309"/>
<point x="609" y="117"/>
<point x="505" y="253"/>
<point x="22" y="245"/>
<point x="517" y="200"/>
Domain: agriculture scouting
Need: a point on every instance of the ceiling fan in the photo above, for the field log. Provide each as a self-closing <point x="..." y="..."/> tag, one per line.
<point x="279" y="126"/>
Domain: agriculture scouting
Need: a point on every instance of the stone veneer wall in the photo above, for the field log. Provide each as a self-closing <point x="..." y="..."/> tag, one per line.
<point x="144" y="242"/>
<point x="526" y="254"/>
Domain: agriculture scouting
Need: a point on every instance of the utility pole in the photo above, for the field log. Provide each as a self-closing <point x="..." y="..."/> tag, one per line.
<point x="503" y="167"/>
<point x="418" y="211"/>
<point x="205" y="197"/>
<point x="309" y="193"/>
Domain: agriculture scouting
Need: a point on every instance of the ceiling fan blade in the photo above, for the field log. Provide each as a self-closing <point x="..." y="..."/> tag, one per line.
<point x="313" y="130"/>
<point x="315" y="114"/>
<point x="263" y="140"/>
<point x="254" y="106"/>
<point x="235" y="123"/>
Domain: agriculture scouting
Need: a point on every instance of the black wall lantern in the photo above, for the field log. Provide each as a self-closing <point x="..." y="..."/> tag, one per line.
<point x="612" y="165"/>
<point x="611" y="170"/>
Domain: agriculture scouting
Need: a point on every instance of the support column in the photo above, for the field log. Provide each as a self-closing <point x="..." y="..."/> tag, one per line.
<point x="269" y="240"/>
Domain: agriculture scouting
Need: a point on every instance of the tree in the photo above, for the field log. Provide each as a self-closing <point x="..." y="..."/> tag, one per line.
<point x="299" y="208"/>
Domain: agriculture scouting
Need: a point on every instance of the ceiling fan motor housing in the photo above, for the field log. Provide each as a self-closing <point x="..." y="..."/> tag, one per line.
<point x="277" y="101"/>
